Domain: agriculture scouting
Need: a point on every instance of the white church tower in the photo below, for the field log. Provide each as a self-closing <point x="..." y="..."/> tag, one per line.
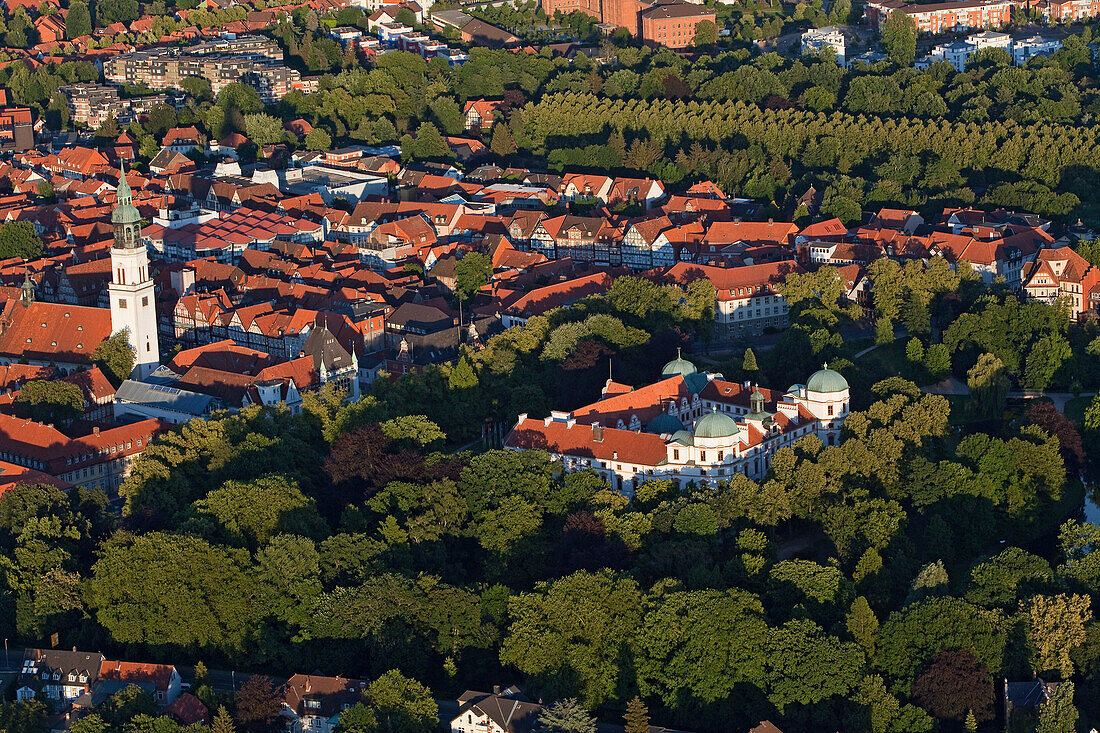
<point x="133" y="302"/>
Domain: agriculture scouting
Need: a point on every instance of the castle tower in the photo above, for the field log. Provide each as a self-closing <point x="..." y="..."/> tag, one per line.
<point x="133" y="300"/>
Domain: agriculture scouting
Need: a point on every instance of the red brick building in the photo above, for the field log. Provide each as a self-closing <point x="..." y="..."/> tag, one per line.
<point x="673" y="24"/>
<point x="669" y="23"/>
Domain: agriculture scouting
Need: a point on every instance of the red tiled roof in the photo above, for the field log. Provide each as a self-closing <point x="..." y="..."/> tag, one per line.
<point x="623" y="446"/>
<point x="751" y="232"/>
<point x="160" y="675"/>
<point x="559" y="294"/>
<point x="188" y="710"/>
<point x="53" y="331"/>
<point x="50" y="448"/>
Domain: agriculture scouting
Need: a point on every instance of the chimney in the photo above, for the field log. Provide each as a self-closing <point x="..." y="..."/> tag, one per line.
<point x="95" y="430"/>
<point x="771" y="221"/>
<point x="308" y="685"/>
<point x="496" y="689"/>
<point x="597" y="432"/>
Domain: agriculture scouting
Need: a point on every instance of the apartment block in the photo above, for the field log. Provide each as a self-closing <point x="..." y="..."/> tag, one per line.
<point x="252" y="60"/>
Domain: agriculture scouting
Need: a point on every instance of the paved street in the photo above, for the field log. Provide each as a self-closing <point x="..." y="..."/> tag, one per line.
<point x="956" y="388"/>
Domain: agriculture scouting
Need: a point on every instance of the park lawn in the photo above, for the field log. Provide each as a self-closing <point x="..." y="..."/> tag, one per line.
<point x="1075" y="409"/>
<point x="889" y="360"/>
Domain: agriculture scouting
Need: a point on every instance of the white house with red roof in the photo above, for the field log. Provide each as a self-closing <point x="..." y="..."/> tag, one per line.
<point x="1061" y="274"/>
<point x="689" y="426"/>
<point x="163" y="678"/>
<point x="585" y="186"/>
<point x="479" y="114"/>
<point x="747" y="298"/>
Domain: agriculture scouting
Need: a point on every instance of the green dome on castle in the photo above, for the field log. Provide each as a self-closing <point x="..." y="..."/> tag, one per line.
<point x="664" y="424"/>
<point x="826" y="380"/>
<point x="679" y="365"/>
<point x="716" y="425"/>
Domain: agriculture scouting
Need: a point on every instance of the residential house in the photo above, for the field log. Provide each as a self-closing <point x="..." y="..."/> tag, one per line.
<point x="313" y="703"/>
<point x="59" y="676"/>
<point x="499" y="711"/>
<point x="748" y="299"/>
<point x="479" y="114"/>
<point x="165" y="680"/>
<point x="1063" y="275"/>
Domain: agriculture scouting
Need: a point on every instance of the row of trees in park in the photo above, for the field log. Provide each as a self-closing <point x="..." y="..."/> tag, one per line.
<point x="854" y="158"/>
<point x="345" y="539"/>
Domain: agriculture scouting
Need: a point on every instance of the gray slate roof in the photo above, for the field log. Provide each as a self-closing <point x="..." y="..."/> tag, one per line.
<point x="163" y="397"/>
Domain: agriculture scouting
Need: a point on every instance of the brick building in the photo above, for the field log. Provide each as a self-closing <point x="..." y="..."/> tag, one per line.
<point x="959" y="15"/>
<point x="16" y="129"/>
<point x="668" y="23"/>
<point x="673" y="24"/>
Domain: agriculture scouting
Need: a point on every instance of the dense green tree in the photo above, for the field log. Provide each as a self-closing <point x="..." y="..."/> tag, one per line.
<point x="721" y="645"/>
<point x="911" y="637"/>
<point x="115" y="11"/>
<point x="318" y="139"/>
<point x="570" y="633"/>
<point x="937" y="360"/>
<point x="78" y="21"/>
<point x="448" y="115"/>
<point x="49" y="401"/>
<point x="429" y="143"/>
<point x="502" y="143"/>
<point x="401" y="704"/>
<point x="988" y="383"/>
<point x="899" y="38"/>
<point x="1058" y="714"/>
<point x="706" y="34"/>
<point x="115" y="356"/>
<point x="207" y="606"/>
<point x="19" y="239"/>
<point x="997" y="581"/>
<point x="472" y="272"/>
<point x="250" y="513"/>
<point x="263" y="129"/>
<point x="914" y="350"/>
<point x="565" y="716"/>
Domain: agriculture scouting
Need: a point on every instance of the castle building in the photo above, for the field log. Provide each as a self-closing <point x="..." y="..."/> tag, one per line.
<point x="688" y="426"/>
<point x="133" y="300"/>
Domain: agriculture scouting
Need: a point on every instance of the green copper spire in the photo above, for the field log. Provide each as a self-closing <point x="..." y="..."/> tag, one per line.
<point x="126" y="218"/>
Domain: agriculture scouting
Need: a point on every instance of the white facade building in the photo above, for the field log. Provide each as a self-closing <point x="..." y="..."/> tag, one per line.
<point x="817" y="39"/>
<point x="689" y="426"/>
<point x="1023" y="50"/>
